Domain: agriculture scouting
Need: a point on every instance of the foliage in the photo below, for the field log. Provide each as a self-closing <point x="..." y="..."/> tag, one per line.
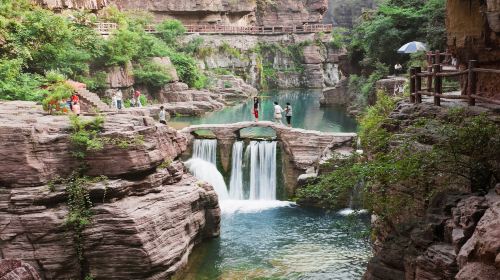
<point x="338" y="39"/>
<point x="400" y="22"/>
<point x="363" y="87"/>
<point x="229" y="50"/>
<point x="151" y="75"/>
<point x="401" y="171"/>
<point x="170" y="30"/>
<point x="85" y="135"/>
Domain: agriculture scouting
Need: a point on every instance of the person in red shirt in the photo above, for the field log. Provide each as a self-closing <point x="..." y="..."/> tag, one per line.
<point x="137" y="97"/>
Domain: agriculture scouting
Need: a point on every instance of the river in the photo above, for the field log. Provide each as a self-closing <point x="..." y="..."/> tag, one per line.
<point x="266" y="238"/>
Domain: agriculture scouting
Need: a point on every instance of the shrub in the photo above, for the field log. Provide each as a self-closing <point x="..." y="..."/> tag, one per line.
<point x="170" y="30"/>
<point x="85" y="135"/>
<point x="151" y="75"/>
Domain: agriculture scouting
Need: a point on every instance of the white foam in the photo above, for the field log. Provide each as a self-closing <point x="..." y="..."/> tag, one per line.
<point x="229" y="207"/>
<point x="349" y="211"/>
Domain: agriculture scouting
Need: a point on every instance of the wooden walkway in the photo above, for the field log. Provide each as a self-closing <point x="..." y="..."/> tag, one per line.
<point x="434" y="76"/>
<point x="106" y="28"/>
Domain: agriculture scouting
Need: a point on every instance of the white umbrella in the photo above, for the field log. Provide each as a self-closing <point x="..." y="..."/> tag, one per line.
<point x="412" y="47"/>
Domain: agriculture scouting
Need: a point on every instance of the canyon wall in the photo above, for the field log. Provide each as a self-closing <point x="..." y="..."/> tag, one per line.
<point x="147" y="215"/>
<point x="344" y="13"/>
<point x="473" y="33"/>
<point x="453" y="233"/>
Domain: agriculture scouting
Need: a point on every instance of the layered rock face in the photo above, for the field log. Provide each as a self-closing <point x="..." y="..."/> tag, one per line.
<point x="454" y="236"/>
<point x="473" y="33"/>
<point x="196" y="11"/>
<point x="146" y="217"/>
<point x="265" y="60"/>
<point x="345" y="13"/>
<point x="73" y="4"/>
<point x="291" y="12"/>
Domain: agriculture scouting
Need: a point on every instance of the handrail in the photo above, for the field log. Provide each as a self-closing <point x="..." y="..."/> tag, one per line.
<point x="106" y="28"/>
<point x="435" y="87"/>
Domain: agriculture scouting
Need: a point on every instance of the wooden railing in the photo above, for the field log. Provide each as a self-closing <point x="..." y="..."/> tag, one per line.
<point x="434" y="81"/>
<point x="107" y="28"/>
<point x="445" y="59"/>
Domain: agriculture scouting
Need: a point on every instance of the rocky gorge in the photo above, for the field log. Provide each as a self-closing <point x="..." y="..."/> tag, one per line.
<point x="148" y="213"/>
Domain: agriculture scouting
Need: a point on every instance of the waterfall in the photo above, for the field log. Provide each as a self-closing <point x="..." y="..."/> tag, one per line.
<point x="262" y="170"/>
<point x="236" y="182"/>
<point x="208" y="172"/>
<point x="205" y="149"/>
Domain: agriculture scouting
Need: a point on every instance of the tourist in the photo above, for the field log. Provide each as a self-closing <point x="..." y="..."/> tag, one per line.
<point x="119" y="98"/>
<point x="132" y="102"/>
<point x="113" y="101"/>
<point x="75" y="104"/>
<point x="137" y="97"/>
<point x="288" y="114"/>
<point x="278" y="111"/>
<point x="397" y="69"/>
<point x="161" y="115"/>
<point x="256" y="103"/>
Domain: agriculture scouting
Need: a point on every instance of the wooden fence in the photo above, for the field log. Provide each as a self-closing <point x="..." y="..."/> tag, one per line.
<point x="105" y="28"/>
<point x="434" y="80"/>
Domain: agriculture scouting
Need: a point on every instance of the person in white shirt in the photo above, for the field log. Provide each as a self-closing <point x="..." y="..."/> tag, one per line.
<point x="161" y="115"/>
<point x="119" y="98"/>
<point x="113" y="100"/>
<point x="278" y="111"/>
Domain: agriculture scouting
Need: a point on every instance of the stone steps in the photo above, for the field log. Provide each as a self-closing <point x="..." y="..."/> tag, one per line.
<point x="92" y="99"/>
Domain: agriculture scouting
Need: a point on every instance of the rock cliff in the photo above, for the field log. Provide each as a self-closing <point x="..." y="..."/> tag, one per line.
<point x="345" y="13"/>
<point x="456" y="235"/>
<point x="473" y="33"/>
<point x="147" y="214"/>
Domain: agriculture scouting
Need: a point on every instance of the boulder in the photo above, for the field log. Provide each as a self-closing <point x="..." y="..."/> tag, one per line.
<point x="169" y="67"/>
<point x="120" y="76"/>
<point x="18" y="270"/>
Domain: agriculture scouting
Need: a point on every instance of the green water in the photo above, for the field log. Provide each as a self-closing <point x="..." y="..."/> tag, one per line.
<point x="306" y="112"/>
<point x="283" y="243"/>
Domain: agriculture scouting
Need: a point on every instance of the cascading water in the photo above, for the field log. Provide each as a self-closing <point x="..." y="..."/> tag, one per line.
<point x="205" y="149"/>
<point x="262" y="170"/>
<point x="236" y="182"/>
<point x="208" y="172"/>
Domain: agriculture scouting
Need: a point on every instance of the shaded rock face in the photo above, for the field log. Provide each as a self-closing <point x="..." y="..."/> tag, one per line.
<point x="196" y="11"/>
<point x="16" y="269"/>
<point x="291" y="12"/>
<point x="473" y="33"/>
<point x="344" y="13"/>
<point x="145" y="220"/>
<point x="73" y="4"/>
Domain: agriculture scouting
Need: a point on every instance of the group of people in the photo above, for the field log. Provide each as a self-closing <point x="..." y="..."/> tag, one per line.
<point x="278" y="112"/>
<point x="117" y="99"/>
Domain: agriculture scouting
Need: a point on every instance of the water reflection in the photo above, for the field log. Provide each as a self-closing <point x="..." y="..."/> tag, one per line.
<point x="307" y="112"/>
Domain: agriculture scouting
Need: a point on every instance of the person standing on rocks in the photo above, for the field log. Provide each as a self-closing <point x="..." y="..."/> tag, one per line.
<point x="256" y="104"/>
<point x="161" y="115"/>
<point x="75" y="107"/>
<point x="288" y="114"/>
<point x="119" y="98"/>
<point x="113" y="100"/>
<point x="278" y="111"/>
<point x="137" y="97"/>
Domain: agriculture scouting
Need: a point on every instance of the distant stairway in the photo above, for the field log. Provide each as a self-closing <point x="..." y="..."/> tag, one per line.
<point x="92" y="100"/>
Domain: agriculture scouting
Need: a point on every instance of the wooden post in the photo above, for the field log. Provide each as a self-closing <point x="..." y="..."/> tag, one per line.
<point x="437" y="85"/>
<point x="418" y="85"/>
<point x="471" y="82"/>
<point x="412" y="84"/>
<point x="437" y="57"/>
<point x="429" y="79"/>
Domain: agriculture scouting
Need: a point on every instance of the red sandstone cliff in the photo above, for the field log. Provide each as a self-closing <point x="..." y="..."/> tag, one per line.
<point x="473" y="30"/>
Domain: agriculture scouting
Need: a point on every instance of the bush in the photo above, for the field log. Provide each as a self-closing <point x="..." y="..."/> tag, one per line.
<point x="151" y="75"/>
<point x="170" y="30"/>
